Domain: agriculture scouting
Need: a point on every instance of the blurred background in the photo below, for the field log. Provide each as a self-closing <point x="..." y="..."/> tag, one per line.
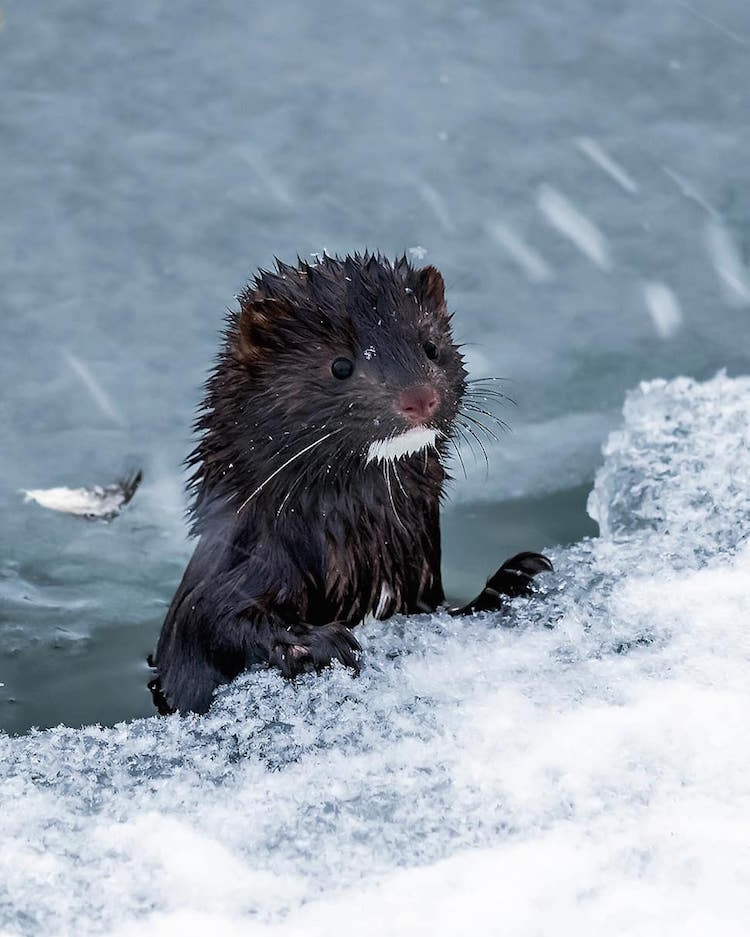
<point x="578" y="171"/>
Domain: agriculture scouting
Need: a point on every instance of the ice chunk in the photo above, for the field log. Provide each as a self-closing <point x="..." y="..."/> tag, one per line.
<point x="594" y="746"/>
<point x="661" y="473"/>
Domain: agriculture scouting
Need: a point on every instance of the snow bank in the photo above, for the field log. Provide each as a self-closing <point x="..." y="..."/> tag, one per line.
<point x="585" y="771"/>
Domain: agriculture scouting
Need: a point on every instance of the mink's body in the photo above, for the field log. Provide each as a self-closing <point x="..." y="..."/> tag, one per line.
<point x="319" y="475"/>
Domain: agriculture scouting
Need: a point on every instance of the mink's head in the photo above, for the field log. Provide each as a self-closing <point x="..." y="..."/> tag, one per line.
<point x="329" y="370"/>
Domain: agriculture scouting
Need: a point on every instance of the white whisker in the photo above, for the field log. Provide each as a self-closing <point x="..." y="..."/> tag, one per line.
<point x="398" y="478"/>
<point x="288" y="462"/>
<point x="387" y="476"/>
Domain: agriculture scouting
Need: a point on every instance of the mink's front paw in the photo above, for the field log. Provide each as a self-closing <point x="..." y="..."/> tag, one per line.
<point x="513" y="578"/>
<point x="516" y="575"/>
<point x="303" y="648"/>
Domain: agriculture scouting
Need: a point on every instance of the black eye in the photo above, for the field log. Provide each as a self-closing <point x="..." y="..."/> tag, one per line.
<point x="342" y="368"/>
<point x="430" y="349"/>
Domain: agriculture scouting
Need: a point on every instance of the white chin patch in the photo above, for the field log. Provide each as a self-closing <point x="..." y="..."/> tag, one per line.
<point x="413" y="440"/>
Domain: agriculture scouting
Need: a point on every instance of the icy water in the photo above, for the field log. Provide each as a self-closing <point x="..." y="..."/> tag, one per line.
<point x="579" y="173"/>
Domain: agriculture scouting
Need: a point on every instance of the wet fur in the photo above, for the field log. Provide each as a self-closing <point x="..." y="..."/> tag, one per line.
<point x="298" y="534"/>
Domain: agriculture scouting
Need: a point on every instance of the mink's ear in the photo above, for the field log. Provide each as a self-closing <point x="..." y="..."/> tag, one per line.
<point x="431" y="288"/>
<point x="258" y="327"/>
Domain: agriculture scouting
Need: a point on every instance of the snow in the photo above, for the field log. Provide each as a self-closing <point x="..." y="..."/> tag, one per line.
<point x="728" y="263"/>
<point x="687" y="188"/>
<point x="437" y="205"/>
<point x="582" y="772"/>
<point x="604" y="161"/>
<point x="664" y="308"/>
<point x="529" y="260"/>
<point x="657" y="476"/>
<point x="570" y="221"/>
<point x="100" y="397"/>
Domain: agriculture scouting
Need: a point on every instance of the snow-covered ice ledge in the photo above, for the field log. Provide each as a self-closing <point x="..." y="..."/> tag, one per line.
<point x="585" y="772"/>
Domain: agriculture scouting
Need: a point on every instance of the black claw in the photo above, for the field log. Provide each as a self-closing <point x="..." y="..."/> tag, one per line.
<point x="516" y="574"/>
<point x="515" y="577"/>
<point x="129" y="486"/>
<point x="160" y="700"/>
<point x="301" y="650"/>
<point x="530" y="563"/>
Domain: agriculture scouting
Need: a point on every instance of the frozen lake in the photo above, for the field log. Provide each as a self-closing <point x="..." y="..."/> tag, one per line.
<point x="580" y="175"/>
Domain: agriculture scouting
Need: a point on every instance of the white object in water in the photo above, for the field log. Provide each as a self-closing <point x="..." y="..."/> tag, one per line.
<point x="101" y="502"/>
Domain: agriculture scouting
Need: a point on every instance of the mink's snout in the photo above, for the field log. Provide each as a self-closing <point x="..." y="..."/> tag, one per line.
<point x="418" y="403"/>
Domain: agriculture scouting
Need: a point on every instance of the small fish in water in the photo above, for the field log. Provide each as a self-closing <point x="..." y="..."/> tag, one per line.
<point x="101" y="502"/>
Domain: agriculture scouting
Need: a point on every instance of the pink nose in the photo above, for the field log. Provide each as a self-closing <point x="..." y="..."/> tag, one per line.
<point x="418" y="403"/>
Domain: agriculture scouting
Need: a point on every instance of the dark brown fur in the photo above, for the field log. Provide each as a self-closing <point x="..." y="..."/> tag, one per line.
<point x="299" y="536"/>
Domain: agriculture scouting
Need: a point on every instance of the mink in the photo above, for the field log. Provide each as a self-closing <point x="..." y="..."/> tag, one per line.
<point x="318" y="475"/>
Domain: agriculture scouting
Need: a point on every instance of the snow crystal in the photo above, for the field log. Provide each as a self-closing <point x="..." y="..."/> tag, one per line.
<point x="581" y="772"/>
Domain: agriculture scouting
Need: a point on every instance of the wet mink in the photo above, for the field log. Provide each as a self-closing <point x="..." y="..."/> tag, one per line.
<point x="318" y="475"/>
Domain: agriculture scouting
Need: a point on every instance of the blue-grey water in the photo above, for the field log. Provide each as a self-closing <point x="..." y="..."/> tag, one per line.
<point x="578" y="171"/>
